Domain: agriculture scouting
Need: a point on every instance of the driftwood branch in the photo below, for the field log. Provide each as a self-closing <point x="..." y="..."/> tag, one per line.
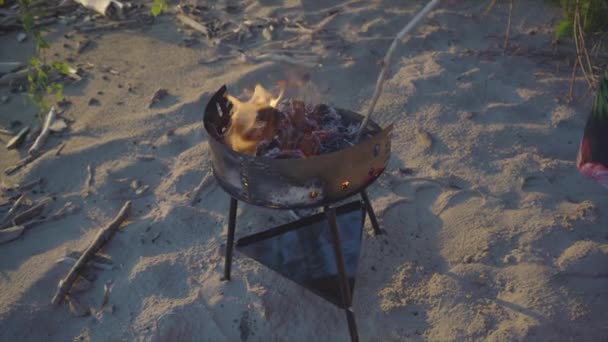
<point x="86" y="191"/>
<point x="102" y="238"/>
<point x="186" y="20"/>
<point x="68" y="209"/>
<point x="15" y="231"/>
<point x="30" y="185"/>
<point x="50" y="117"/>
<point x="10" y="234"/>
<point x="13" y="77"/>
<point x="23" y="162"/>
<point x="387" y="60"/>
<point x="11" y="211"/>
<point x="32" y="212"/>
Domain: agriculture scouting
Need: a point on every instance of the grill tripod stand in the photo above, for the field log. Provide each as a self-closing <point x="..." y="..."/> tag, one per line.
<point x="321" y="232"/>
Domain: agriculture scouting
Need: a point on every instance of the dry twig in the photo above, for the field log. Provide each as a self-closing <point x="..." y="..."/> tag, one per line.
<point x="14" y="77"/>
<point x="58" y="152"/>
<point x="11" y="211"/>
<point x="572" y="79"/>
<point x="102" y="238"/>
<point x="23" y="162"/>
<point x="31" y="213"/>
<point x="186" y="20"/>
<point x="387" y="60"/>
<point x="17" y="230"/>
<point x="68" y="209"/>
<point x="508" y="33"/>
<point x="581" y="48"/>
<point x="490" y="7"/>
<point x="30" y="185"/>
<point x="200" y="187"/>
<point x="10" y="234"/>
<point x="18" y="139"/>
<point x="44" y="133"/>
<point x="89" y="182"/>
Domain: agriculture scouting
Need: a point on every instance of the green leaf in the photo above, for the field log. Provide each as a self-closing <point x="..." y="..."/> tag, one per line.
<point x="65" y="68"/>
<point x="28" y="22"/>
<point x="158" y="7"/>
<point x="42" y="44"/>
<point x="564" y="29"/>
<point x="35" y="62"/>
<point x="62" y="67"/>
<point x="59" y="92"/>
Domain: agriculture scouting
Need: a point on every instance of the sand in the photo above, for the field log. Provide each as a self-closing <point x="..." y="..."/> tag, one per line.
<point x="492" y="236"/>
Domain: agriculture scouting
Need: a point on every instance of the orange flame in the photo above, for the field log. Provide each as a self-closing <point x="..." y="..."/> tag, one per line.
<point x="246" y="131"/>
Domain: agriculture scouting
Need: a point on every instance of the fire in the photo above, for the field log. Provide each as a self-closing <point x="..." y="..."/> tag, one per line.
<point x="265" y="125"/>
<point x="252" y="121"/>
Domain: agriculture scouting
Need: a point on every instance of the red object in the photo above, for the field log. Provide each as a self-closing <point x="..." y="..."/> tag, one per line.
<point x="593" y="170"/>
<point x="592" y="159"/>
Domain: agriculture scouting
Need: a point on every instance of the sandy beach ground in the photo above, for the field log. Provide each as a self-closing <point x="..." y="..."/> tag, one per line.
<point x="491" y="233"/>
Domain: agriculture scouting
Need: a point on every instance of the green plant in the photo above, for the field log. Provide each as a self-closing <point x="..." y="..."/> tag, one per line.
<point x="593" y="14"/>
<point x="38" y="70"/>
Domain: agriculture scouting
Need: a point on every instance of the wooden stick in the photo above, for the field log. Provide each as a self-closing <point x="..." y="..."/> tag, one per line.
<point x="23" y="162"/>
<point x="5" y="131"/>
<point x="13" y="77"/>
<point x="18" y="139"/>
<point x="58" y="152"/>
<point x="387" y="60"/>
<point x="30" y="185"/>
<point x="572" y="79"/>
<point x="50" y="117"/>
<point x="10" y="234"/>
<point x="200" y="187"/>
<point x="14" y="232"/>
<point x="68" y="209"/>
<point x="490" y="7"/>
<point x="578" y="45"/>
<point x="506" y="43"/>
<point x="86" y="191"/>
<point x="11" y="211"/>
<point x="102" y="238"/>
<point x="186" y="20"/>
<point x="581" y="48"/>
<point x="31" y="213"/>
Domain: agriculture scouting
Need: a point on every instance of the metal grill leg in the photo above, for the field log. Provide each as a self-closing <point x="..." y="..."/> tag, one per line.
<point x="370" y="213"/>
<point x="344" y="284"/>
<point x="230" y="240"/>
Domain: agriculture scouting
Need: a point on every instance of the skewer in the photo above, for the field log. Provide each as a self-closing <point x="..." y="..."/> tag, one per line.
<point x="387" y="60"/>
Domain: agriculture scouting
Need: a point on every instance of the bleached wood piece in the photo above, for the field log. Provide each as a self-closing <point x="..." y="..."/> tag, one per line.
<point x="101" y="239"/>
